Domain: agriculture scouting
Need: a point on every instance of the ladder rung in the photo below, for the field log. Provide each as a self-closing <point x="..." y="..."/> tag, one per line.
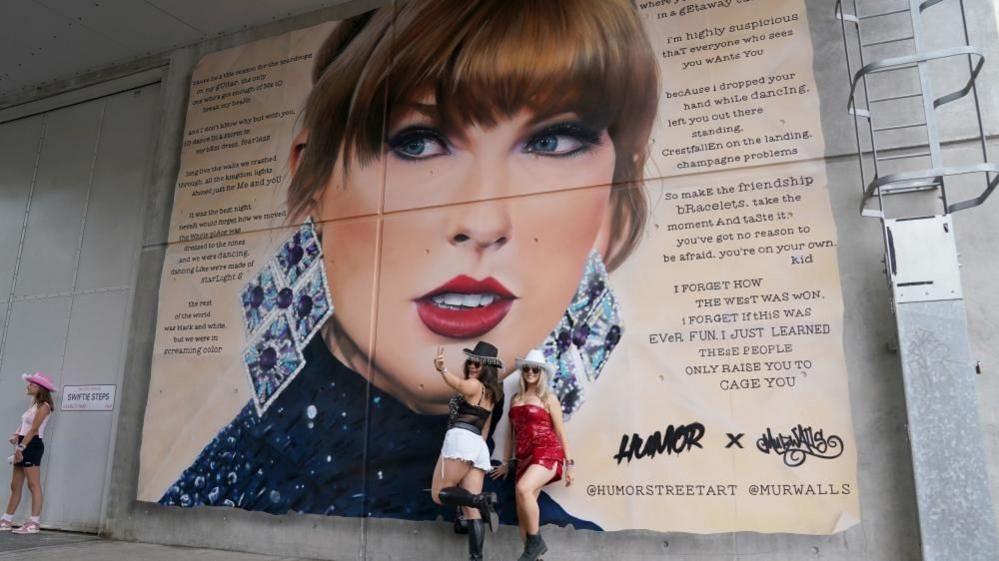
<point x="895" y="98"/>
<point x="905" y="156"/>
<point x="893" y="68"/>
<point x="871" y="212"/>
<point x="886" y="41"/>
<point x="883" y="14"/>
<point x="915" y="183"/>
<point x="899" y="127"/>
<point x="910" y="188"/>
<point x="848" y="17"/>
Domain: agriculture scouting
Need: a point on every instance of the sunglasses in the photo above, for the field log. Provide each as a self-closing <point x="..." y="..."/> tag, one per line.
<point x="531" y="369"/>
<point x="473" y="363"/>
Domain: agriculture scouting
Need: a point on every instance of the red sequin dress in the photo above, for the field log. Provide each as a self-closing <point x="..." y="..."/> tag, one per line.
<point x="537" y="442"/>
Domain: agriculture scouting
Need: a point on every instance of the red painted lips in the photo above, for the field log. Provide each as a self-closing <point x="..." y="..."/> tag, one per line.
<point x="465" y="308"/>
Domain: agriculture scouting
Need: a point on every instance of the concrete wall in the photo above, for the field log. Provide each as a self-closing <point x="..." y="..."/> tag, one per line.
<point x="889" y="531"/>
<point x="70" y="194"/>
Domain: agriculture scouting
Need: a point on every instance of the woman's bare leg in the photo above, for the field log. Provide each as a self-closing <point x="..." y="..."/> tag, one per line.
<point x="528" y="488"/>
<point x="448" y="473"/>
<point x="521" y="520"/>
<point x="34" y="476"/>
<point x="16" y="485"/>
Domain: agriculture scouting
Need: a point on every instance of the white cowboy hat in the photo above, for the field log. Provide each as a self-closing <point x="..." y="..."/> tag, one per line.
<point x="536" y="358"/>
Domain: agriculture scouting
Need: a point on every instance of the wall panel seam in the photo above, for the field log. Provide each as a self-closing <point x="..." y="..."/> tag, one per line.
<point x="27" y="298"/>
<point x="20" y="243"/>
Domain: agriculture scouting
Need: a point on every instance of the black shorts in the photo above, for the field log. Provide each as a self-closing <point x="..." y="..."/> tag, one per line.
<point x="31" y="456"/>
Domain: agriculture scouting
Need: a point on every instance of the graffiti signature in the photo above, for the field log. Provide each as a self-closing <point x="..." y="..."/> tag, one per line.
<point x="804" y="441"/>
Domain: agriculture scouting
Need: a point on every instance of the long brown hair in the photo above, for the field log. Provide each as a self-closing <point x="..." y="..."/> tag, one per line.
<point x="489" y="377"/>
<point x="43" y="395"/>
<point x="484" y="60"/>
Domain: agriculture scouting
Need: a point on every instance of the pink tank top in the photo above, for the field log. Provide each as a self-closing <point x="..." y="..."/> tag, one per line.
<point x="28" y="419"/>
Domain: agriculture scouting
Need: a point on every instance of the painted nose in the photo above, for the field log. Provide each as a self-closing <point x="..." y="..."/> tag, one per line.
<point x="482" y="226"/>
<point x="485" y="225"/>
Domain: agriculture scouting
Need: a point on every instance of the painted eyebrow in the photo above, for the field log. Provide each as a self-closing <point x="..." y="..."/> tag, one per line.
<point x="428" y="111"/>
<point x="544" y="119"/>
<point x="425" y="109"/>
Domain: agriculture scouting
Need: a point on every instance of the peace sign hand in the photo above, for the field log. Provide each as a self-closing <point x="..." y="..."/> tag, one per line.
<point x="439" y="359"/>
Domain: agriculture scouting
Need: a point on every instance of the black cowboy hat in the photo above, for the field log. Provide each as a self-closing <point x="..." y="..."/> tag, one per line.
<point x="486" y="353"/>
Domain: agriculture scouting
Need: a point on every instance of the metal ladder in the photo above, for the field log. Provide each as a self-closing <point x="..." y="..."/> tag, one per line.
<point x="955" y="508"/>
<point x="917" y="176"/>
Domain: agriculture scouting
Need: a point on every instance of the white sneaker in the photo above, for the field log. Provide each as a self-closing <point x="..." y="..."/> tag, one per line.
<point x="29" y="527"/>
<point x="6" y="526"/>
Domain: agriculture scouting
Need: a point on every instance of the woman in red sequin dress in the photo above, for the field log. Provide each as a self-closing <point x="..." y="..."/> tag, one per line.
<point x="542" y="449"/>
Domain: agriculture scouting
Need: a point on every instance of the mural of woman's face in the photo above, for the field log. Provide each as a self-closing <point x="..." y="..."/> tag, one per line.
<point x="484" y="234"/>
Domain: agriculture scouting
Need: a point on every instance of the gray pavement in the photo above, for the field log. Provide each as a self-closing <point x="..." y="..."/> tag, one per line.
<point x="67" y="546"/>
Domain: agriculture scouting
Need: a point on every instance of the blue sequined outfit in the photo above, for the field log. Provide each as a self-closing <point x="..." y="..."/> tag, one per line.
<point x="312" y="452"/>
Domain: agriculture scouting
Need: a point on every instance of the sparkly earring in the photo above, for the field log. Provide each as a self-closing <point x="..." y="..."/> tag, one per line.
<point x="284" y="306"/>
<point x="582" y="341"/>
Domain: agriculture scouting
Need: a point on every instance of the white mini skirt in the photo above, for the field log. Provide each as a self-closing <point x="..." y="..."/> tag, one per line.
<point x="465" y="445"/>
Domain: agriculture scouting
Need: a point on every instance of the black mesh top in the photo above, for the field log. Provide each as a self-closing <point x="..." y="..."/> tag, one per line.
<point x="461" y="411"/>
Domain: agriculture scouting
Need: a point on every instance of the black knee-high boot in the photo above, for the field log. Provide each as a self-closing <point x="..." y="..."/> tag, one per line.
<point x="485" y="502"/>
<point x="460" y="523"/>
<point x="476" y="538"/>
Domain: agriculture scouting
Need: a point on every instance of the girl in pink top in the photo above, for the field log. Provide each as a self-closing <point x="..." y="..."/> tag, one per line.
<point x="28" y="452"/>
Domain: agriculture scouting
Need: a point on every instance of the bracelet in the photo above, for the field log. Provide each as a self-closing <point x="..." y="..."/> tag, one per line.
<point x="20" y="447"/>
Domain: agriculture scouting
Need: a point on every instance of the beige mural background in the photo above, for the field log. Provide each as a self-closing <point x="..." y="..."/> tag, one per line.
<point x="199" y="384"/>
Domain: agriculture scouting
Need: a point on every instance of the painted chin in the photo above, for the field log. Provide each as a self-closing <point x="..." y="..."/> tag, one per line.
<point x="465" y="308"/>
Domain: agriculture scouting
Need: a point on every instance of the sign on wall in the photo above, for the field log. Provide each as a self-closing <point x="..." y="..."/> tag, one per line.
<point x="633" y="189"/>
<point x="88" y="398"/>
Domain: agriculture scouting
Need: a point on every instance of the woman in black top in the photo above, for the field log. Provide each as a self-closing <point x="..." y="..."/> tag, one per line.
<point x="464" y="459"/>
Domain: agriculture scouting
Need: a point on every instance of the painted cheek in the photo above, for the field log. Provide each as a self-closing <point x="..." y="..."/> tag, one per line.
<point x="348" y="250"/>
<point x="355" y="195"/>
<point x="411" y="258"/>
<point x="556" y="252"/>
<point x="438" y="181"/>
<point x="591" y="169"/>
<point x="580" y="214"/>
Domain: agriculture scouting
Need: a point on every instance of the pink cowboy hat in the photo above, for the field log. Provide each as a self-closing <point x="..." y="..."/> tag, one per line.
<point x="40" y="379"/>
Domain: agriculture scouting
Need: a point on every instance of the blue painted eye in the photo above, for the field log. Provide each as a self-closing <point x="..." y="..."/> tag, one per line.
<point x="418" y="145"/>
<point x="555" y="144"/>
<point x="563" y="139"/>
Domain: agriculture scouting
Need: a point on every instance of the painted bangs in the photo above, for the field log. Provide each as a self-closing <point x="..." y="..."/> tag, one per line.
<point x="478" y="62"/>
<point x="481" y="62"/>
